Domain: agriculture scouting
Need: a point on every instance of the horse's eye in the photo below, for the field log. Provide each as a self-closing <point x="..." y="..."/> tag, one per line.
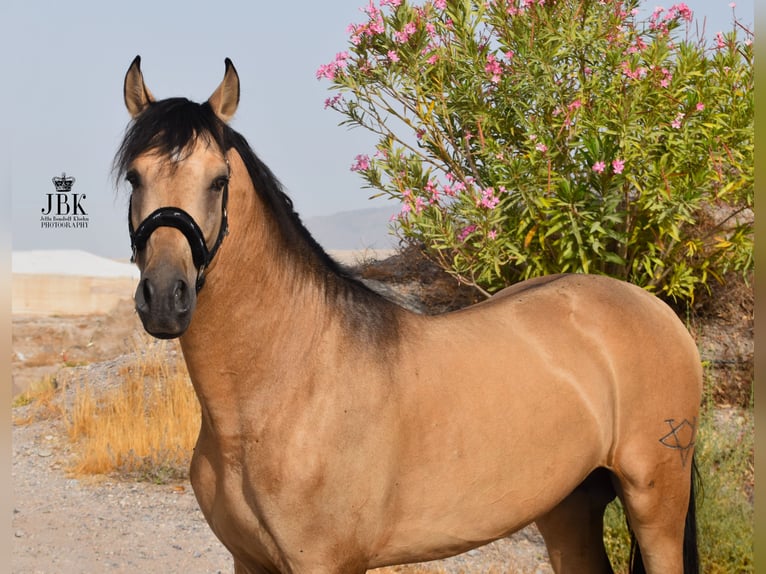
<point x="133" y="179"/>
<point x="219" y="183"/>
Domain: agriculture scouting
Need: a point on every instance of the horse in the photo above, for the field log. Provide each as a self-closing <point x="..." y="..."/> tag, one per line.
<point x="341" y="432"/>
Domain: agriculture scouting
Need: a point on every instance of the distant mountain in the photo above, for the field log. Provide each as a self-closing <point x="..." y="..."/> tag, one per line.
<point x="359" y="229"/>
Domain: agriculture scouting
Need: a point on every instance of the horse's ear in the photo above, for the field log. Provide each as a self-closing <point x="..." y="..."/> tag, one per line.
<point x="225" y="99"/>
<point x="137" y="95"/>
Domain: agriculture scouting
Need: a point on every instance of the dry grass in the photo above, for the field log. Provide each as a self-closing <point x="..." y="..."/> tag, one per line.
<point x="43" y="395"/>
<point x="145" y="427"/>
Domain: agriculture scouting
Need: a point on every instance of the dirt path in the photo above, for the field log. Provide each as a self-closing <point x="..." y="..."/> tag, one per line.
<point x="64" y="525"/>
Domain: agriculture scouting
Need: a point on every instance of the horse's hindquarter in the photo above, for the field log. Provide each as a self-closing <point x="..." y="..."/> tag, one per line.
<point x="507" y="406"/>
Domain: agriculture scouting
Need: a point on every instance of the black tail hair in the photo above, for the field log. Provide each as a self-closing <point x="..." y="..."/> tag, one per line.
<point x="691" y="554"/>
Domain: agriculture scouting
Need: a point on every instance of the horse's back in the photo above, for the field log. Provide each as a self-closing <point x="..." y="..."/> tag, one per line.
<point x="639" y="338"/>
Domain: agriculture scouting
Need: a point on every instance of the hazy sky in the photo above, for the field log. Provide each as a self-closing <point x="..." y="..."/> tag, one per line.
<point x="65" y="63"/>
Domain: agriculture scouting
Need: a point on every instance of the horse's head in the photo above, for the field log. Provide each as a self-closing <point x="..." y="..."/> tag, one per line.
<point x="174" y="157"/>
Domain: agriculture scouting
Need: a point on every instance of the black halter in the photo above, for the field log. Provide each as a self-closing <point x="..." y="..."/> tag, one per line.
<point x="179" y="219"/>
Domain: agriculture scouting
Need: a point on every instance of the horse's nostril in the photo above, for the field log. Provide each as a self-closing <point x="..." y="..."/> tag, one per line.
<point x="148" y="291"/>
<point x="182" y="300"/>
<point x="144" y="295"/>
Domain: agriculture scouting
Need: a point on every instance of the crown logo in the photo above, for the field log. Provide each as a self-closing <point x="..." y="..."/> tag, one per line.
<point x="63" y="184"/>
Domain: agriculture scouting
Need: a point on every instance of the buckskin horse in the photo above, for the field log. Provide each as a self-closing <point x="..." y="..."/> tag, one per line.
<point x="341" y="432"/>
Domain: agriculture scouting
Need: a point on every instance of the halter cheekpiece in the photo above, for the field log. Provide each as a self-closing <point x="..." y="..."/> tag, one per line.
<point x="177" y="218"/>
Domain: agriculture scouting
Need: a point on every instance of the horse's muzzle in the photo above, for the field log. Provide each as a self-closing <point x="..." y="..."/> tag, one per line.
<point x="165" y="303"/>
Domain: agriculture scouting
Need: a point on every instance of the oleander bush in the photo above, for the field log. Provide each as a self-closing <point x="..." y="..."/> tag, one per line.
<point x="528" y="137"/>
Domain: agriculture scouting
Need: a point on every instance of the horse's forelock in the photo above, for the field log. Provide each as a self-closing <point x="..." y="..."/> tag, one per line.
<point x="169" y="128"/>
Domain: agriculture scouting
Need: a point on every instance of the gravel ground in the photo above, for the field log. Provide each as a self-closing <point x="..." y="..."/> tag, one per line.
<point x="65" y="525"/>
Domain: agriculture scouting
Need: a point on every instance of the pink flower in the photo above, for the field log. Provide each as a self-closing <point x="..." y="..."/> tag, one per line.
<point x="330" y="70"/>
<point x="636" y="74"/>
<point x="432" y="188"/>
<point x="326" y="71"/>
<point x="492" y="235"/>
<point x="361" y="163"/>
<point x="684" y="11"/>
<point x="541" y="147"/>
<point x="340" y="60"/>
<point x="599" y="166"/>
<point x="393" y="56"/>
<point x="404" y="34"/>
<point x="392" y="3"/>
<point x="618" y="165"/>
<point x="676" y="123"/>
<point x="377" y="26"/>
<point x="667" y="77"/>
<point x="440" y="4"/>
<point x="493" y="68"/>
<point x="720" y="41"/>
<point x="700" y="106"/>
<point x="466" y="231"/>
<point x="330" y="102"/>
<point x="488" y="199"/>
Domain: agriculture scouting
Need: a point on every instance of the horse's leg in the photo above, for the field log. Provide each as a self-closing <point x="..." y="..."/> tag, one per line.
<point x="573" y="530"/>
<point x="657" y="508"/>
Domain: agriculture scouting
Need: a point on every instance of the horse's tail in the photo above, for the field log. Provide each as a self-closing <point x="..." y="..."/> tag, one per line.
<point x="691" y="554"/>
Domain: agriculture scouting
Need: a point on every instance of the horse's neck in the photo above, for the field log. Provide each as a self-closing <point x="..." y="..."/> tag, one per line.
<point x="260" y="311"/>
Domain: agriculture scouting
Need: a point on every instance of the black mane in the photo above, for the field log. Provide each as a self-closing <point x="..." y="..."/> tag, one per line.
<point x="173" y="125"/>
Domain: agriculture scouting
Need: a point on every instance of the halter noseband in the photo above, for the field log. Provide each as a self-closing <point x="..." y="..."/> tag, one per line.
<point x="179" y="219"/>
